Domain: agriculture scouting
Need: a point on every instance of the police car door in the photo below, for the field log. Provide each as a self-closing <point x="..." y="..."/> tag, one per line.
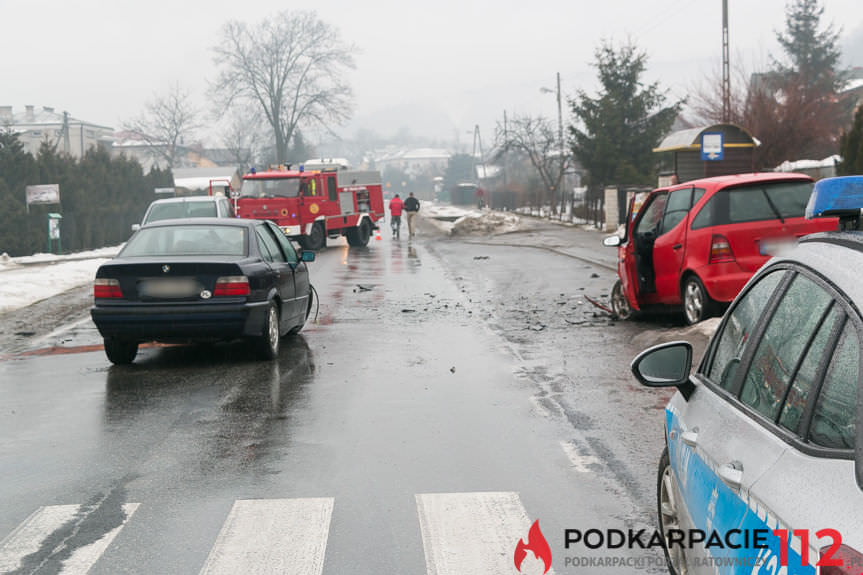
<point x="718" y="448"/>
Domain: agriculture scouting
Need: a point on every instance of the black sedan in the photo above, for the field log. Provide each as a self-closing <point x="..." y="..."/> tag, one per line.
<point x="202" y="279"/>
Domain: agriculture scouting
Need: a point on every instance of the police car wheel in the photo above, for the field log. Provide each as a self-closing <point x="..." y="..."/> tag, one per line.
<point x="669" y="515"/>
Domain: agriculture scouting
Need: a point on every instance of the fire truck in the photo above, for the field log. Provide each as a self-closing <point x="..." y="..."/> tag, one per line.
<point x="313" y="205"/>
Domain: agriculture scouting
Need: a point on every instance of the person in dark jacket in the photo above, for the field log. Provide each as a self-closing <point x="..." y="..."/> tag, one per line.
<point x="412" y="206"/>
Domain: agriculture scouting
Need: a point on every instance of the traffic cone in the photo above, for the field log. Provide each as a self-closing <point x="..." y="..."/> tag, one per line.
<point x="378" y="234"/>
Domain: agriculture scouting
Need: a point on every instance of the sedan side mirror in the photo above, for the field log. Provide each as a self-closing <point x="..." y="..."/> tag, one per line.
<point x="136" y="227"/>
<point x="307" y="256"/>
<point x="664" y="365"/>
<point x="611" y="241"/>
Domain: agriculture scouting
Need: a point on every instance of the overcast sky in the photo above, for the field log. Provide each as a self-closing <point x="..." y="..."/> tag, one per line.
<point x="437" y="68"/>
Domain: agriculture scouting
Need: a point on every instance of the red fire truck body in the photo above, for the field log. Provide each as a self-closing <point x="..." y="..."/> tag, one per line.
<point x="311" y="206"/>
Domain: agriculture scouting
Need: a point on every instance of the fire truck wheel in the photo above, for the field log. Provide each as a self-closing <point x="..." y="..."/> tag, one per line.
<point x="359" y="236"/>
<point x="316" y="240"/>
<point x="267" y="344"/>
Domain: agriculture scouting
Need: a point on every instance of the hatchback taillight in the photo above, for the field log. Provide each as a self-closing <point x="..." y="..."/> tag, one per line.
<point x="841" y="560"/>
<point x="107" y="288"/>
<point x="720" y="249"/>
<point x="231" y="286"/>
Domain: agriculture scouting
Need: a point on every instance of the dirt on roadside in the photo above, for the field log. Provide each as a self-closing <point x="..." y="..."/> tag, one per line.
<point x="20" y="328"/>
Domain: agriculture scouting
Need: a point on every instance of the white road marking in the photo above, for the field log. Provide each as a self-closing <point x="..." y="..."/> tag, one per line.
<point x="29" y="536"/>
<point x="272" y="536"/>
<point x="580" y="463"/>
<point x="474" y="533"/>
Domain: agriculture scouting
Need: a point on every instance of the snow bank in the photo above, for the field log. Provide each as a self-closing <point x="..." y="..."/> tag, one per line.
<point x="486" y="223"/>
<point x="457" y="220"/>
<point x="22" y="283"/>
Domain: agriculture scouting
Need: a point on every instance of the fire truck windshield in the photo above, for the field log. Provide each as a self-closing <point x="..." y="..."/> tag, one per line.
<point x="275" y="188"/>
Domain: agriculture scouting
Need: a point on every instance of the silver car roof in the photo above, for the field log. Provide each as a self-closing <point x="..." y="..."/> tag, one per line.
<point x="836" y="255"/>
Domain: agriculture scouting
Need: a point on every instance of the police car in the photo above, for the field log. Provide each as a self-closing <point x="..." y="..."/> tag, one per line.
<point x="763" y="467"/>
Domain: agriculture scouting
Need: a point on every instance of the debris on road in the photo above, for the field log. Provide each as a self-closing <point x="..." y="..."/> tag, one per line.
<point x="600" y="306"/>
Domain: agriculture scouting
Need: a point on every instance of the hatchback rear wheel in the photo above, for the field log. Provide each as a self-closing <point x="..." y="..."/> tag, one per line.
<point x="697" y="305"/>
<point x="669" y="515"/>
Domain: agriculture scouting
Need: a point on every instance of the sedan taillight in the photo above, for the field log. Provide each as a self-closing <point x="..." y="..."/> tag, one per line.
<point x="107" y="288"/>
<point x="720" y="250"/>
<point x="231" y="286"/>
<point x="840" y="560"/>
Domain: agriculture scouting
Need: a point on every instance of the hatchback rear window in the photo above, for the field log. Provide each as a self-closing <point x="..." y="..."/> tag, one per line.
<point x="768" y="201"/>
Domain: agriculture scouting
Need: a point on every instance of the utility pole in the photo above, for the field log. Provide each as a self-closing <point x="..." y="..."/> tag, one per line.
<point x="726" y="71"/>
<point x="560" y="141"/>
<point x="505" y="149"/>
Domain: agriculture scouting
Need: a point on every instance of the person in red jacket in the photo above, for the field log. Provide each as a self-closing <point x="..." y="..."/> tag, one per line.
<point x="396" y="207"/>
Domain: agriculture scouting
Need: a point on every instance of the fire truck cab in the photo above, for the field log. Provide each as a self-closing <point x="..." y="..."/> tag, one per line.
<point x="312" y="205"/>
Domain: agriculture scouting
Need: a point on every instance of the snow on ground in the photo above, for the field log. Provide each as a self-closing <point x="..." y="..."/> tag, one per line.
<point x="22" y="283"/>
<point x="455" y="220"/>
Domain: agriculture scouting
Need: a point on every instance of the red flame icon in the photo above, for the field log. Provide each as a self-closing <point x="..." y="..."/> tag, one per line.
<point x="535" y="542"/>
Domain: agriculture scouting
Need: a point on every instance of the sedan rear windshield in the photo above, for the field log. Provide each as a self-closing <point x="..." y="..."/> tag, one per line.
<point x="176" y="210"/>
<point x="186" y="241"/>
<point x="279" y="188"/>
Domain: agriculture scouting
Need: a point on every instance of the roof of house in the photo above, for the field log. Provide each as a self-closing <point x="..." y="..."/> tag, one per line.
<point x="44" y="116"/>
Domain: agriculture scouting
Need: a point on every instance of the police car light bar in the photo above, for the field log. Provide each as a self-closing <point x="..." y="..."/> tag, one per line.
<point x="837" y="197"/>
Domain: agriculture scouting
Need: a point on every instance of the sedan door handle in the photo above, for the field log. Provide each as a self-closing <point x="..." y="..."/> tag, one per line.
<point x="731" y="474"/>
<point x="676" y="246"/>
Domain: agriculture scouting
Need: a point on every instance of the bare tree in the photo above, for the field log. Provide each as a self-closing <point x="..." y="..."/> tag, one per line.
<point x="291" y="67"/>
<point x="242" y="135"/>
<point x="167" y="123"/>
<point x="537" y="139"/>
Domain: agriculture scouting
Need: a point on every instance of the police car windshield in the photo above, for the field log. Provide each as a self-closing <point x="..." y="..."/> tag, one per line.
<point x="280" y="188"/>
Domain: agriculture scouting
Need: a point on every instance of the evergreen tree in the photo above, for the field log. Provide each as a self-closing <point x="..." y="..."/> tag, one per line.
<point x="623" y="123"/>
<point x="812" y="54"/>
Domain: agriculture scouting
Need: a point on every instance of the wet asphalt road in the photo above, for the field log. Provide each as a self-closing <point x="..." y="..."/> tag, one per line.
<point x="434" y="367"/>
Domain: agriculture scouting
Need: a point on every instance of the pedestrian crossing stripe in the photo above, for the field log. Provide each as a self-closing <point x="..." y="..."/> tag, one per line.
<point x="461" y="533"/>
<point x="63" y="521"/>
<point x="272" y="536"/>
<point x="471" y="532"/>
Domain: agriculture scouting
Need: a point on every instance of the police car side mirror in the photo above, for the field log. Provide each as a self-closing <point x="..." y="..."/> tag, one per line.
<point x="664" y="365"/>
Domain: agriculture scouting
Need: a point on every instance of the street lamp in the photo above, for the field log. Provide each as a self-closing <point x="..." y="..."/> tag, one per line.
<point x="559" y="129"/>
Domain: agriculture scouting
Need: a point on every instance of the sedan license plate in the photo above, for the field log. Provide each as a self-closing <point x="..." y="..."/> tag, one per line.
<point x="168" y="288"/>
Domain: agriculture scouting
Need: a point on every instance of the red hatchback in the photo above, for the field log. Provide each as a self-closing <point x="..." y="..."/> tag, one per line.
<point x="695" y="244"/>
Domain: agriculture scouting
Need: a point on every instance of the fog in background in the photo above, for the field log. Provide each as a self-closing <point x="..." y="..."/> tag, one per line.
<point x="431" y="70"/>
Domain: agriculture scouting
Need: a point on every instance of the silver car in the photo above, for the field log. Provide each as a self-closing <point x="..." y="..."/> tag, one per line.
<point x="763" y="469"/>
<point x="215" y="206"/>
